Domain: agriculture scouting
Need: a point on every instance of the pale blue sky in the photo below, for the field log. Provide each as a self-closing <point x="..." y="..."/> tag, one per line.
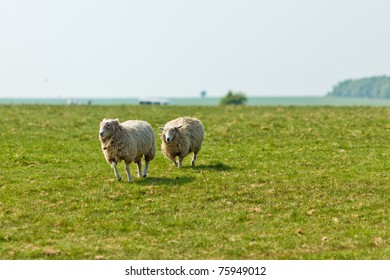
<point x="177" y="48"/>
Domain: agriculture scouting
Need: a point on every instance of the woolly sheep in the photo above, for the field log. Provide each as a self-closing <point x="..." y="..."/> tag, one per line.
<point x="127" y="141"/>
<point x="180" y="137"/>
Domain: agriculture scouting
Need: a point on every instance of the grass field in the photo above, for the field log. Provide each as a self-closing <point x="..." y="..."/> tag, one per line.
<point x="270" y="183"/>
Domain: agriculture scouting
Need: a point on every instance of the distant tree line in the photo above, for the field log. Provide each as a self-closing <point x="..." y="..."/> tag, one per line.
<point x="374" y="87"/>
<point x="234" y="98"/>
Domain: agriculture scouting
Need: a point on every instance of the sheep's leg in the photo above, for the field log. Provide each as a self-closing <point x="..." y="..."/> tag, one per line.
<point x="139" y="165"/>
<point x="129" y="178"/>
<point x="146" y="168"/>
<point x="180" y="164"/>
<point x="193" y="159"/>
<point x="113" y="164"/>
<point x="173" y="159"/>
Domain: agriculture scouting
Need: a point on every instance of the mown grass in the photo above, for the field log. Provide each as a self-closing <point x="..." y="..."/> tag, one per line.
<point x="270" y="183"/>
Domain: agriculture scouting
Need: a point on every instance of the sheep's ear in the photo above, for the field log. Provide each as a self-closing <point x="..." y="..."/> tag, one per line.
<point x="161" y="128"/>
<point x="177" y="127"/>
<point x="104" y="120"/>
<point x="115" y="122"/>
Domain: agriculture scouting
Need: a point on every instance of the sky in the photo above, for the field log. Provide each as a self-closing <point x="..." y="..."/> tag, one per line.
<point x="178" y="48"/>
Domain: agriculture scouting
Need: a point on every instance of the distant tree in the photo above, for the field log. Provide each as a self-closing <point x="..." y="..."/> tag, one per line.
<point x="203" y="93"/>
<point x="374" y="87"/>
<point x="234" y="98"/>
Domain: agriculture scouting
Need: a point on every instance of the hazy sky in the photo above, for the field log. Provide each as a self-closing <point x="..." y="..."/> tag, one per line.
<point x="133" y="48"/>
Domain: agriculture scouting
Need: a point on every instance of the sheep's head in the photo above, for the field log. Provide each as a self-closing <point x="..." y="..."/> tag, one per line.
<point x="169" y="133"/>
<point x="107" y="128"/>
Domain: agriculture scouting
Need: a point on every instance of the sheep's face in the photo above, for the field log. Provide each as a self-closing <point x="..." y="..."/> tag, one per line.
<point x="107" y="127"/>
<point x="169" y="133"/>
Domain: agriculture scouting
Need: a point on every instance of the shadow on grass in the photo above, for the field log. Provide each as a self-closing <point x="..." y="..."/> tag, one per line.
<point x="219" y="166"/>
<point x="160" y="181"/>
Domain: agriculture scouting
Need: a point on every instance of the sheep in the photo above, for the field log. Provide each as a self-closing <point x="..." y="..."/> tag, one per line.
<point x="127" y="141"/>
<point x="180" y="137"/>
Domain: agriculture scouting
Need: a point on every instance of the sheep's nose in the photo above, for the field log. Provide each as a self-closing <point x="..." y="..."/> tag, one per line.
<point x="101" y="134"/>
<point x="168" y="139"/>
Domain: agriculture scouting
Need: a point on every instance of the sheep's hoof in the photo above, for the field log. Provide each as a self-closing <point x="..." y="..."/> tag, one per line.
<point x="119" y="179"/>
<point x="144" y="176"/>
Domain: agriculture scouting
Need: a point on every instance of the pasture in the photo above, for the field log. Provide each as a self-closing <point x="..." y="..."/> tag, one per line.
<point x="270" y="183"/>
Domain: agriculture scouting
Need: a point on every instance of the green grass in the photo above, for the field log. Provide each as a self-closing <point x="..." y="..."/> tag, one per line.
<point x="270" y="183"/>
